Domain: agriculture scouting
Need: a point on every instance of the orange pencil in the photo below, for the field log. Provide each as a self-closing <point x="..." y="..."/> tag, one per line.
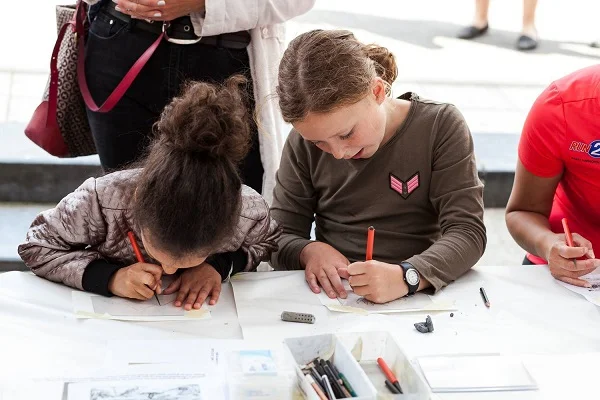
<point x="568" y="235"/>
<point x="139" y="256"/>
<point x="136" y="249"/>
<point x="370" y="241"/>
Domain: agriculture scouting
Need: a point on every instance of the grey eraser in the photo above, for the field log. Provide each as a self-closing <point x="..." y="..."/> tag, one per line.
<point x="303" y="318"/>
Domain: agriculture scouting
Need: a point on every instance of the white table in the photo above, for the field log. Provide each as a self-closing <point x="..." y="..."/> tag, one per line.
<point x="530" y="315"/>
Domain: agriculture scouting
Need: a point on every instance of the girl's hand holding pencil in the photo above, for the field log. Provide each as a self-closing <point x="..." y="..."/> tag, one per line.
<point x="377" y="281"/>
<point x="138" y="281"/>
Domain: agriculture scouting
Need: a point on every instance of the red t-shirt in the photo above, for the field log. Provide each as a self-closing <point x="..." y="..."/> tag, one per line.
<point x="562" y="135"/>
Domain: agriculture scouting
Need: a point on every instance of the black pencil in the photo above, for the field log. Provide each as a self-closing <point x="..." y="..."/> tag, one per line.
<point x="486" y="301"/>
<point x="317" y="379"/>
<point x="335" y="384"/>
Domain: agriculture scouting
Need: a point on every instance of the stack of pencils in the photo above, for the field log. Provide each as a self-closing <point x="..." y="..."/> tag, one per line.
<point x="327" y="381"/>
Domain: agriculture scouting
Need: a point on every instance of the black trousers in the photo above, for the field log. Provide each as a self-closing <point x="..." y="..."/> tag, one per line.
<point x="123" y="134"/>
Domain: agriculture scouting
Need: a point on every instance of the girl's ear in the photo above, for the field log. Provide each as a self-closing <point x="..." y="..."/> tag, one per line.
<point x="378" y="90"/>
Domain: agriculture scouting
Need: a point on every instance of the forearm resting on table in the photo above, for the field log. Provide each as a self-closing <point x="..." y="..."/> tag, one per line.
<point x="531" y="231"/>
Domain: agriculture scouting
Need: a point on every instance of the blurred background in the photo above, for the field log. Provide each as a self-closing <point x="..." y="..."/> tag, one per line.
<point x="488" y="79"/>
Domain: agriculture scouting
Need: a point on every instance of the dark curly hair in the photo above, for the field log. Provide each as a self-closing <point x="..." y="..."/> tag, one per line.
<point x="189" y="191"/>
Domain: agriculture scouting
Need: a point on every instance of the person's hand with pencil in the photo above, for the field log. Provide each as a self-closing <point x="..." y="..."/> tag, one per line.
<point x="570" y="256"/>
<point x="377" y="281"/>
<point x="195" y="285"/>
<point x="322" y="268"/>
<point x="137" y="281"/>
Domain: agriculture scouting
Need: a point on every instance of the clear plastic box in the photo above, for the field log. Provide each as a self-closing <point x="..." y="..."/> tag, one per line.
<point x="366" y="347"/>
<point x="305" y="349"/>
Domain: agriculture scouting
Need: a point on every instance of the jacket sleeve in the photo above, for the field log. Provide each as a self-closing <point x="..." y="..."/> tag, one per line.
<point x="61" y="242"/>
<point x="228" y="264"/>
<point x="456" y="194"/>
<point x="223" y="16"/>
<point x="262" y="236"/>
<point x="294" y="204"/>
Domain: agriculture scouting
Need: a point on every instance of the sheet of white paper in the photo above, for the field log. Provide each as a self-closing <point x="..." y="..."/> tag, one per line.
<point x="206" y="354"/>
<point x="261" y="297"/>
<point x="358" y="304"/>
<point x="87" y="305"/>
<point x="164" y="389"/>
<point x="32" y="390"/>
<point x="475" y="373"/>
<point x="591" y="294"/>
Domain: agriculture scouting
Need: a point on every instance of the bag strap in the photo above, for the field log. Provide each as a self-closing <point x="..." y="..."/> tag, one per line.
<point x="117" y="94"/>
<point x="53" y="89"/>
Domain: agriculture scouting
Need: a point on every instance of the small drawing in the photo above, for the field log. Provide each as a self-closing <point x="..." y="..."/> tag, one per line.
<point x="175" y="392"/>
<point x="364" y="301"/>
<point x="595" y="287"/>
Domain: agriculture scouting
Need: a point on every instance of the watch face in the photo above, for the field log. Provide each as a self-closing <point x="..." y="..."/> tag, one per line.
<point x="412" y="277"/>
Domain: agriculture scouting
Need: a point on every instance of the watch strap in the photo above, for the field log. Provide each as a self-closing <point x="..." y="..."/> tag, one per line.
<point x="412" y="289"/>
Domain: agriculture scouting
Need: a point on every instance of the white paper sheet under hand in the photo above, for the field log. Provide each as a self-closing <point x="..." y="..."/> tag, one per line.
<point x="87" y="305"/>
<point x="591" y="294"/>
<point x="358" y="304"/>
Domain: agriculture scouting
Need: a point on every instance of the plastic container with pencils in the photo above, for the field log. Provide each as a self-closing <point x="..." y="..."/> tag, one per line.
<point x="368" y="347"/>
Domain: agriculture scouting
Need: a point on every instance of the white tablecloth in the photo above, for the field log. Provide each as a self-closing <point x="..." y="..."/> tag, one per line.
<point x="530" y="315"/>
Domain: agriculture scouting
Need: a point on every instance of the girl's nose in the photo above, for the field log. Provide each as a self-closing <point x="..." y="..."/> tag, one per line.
<point x="338" y="152"/>
<point x="169" y="270"/>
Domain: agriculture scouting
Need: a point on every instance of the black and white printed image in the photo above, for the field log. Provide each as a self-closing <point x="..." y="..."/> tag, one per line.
<point x="137" y="392"/>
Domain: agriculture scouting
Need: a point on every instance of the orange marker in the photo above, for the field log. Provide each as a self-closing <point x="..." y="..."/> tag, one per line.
<point x="370" y="241"/>
<point x="389" y="374"/>
<point x="568" y="235"/>
<point x="136" y="249"/>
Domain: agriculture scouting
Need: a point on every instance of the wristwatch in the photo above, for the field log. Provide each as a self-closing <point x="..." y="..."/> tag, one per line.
<point x="411" y="277"/>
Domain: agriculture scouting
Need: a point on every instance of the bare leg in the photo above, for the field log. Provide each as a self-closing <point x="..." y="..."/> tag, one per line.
<point x="479" y="26"/>
<point x="529" y="7"/>
<point x="480" y="19"/>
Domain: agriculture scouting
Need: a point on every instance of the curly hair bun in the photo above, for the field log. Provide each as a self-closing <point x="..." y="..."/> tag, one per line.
<point x="209" y="119"/>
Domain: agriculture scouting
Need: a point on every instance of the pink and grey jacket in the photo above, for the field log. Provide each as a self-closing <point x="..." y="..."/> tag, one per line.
<point x="83" y="240"/>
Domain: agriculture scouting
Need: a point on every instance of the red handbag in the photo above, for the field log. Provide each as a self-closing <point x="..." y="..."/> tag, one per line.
<point x="59" y="124"/>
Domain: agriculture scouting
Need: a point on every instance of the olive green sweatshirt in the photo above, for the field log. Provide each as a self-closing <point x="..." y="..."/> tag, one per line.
<point x="420" y="191"/>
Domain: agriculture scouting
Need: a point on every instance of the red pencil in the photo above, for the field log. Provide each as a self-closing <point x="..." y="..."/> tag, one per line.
<point x="370" y="241"/>
<point x="136" y="249"/>
<point x="568" y="235"/>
